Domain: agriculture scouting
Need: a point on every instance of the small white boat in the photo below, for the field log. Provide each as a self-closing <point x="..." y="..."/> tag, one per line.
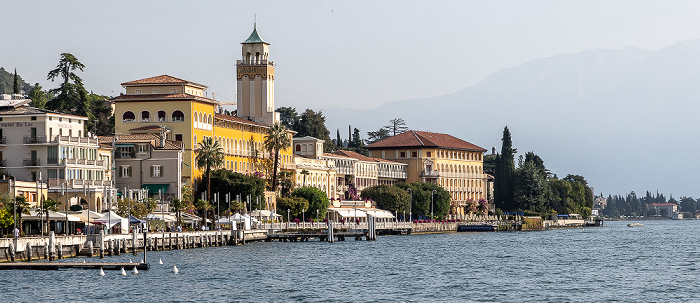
<point x="635" y="224"/>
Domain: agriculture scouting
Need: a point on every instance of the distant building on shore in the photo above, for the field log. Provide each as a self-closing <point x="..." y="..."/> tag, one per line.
<point x="454" y="164"/>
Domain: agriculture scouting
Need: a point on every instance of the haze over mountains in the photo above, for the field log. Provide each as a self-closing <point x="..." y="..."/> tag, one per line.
<point x="627" y="119"/>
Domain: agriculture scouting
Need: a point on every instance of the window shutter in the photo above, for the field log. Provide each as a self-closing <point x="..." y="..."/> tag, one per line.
<point x="152" y="171"/>
<point x="129" y="169"/>
<point x="121" y="171"/>
<point x="161" y="171"/>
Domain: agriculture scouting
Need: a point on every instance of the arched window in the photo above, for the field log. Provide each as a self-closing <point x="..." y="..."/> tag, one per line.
<point x="128" y="117"/>
<point x="178" y="116"/>
<point x="257" y="58"/>
<point x="161" y="116"/>
<point x="145" y="116"/>
<point x="247" y="58"/>
<point x="194" y="141"/>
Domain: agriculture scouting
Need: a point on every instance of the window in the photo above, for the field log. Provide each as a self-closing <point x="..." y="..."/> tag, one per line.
<point x="156" y="171"/>
<point x="178" y="116"/>
<point x="33" y="118"/>
<point x="161" y="116"/>
<point x="143" y="148"/>
<point x="138" y="92"/>
<point x="403" y="154"/>
<point x="428" y="154"/>
<point x="145" y="116"/>
<point x="126" y="152"/>
<point x="125" y="171"/>
<point x="126" y="117"/>
<point x="178" y="137"/>
<point x="414" y="154"/>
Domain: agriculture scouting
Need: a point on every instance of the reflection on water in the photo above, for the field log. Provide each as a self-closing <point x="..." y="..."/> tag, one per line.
<point x="656" y="262"/>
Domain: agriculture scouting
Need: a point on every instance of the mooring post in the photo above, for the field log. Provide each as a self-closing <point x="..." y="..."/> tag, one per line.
<point x="29" y="252"/>
<point x="52" y="246"/>
<point x="59" y="250"/>
<point x="102" y="244"/>
<point x="89" y="247"/>
<point x="144" y="246"/>
<point x="330" y="232"/>
<point x="11" y="250"/>
<point x="134" y="245"/>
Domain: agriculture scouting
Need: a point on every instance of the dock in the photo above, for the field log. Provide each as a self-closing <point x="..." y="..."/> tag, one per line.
<point x="62" y="265"/>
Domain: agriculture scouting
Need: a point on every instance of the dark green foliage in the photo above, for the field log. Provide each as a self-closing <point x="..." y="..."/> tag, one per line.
<point x="531" y="184"/>
<point x="422" y="193"/>
<point x="316" y="198"/>
<point x="224" y="182"/>
<point x="378" y="135"/>
<point x="356" y="141"/>
<point x="390" y="198"/>
<point x="69" y="98"/>
<point x="338" y="140"/>
<point x="288" y="117"/>
<point x="504" y="186"/>
<point x="7" y="82"/>
<point x="490" y="164"/>
<point x="102" y="114"/>
<point x="313" y="124"/>
<point x="15" y="85"/>
<point x="294" y="205"/>
<point x="38" y="96"/>
<point x="396" y="126"/>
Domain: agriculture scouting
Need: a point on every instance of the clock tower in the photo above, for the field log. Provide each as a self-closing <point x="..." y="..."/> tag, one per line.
<point x="256" y="82"/>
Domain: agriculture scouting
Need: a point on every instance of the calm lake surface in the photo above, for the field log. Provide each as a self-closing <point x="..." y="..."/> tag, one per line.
<point x="654" y="263"/>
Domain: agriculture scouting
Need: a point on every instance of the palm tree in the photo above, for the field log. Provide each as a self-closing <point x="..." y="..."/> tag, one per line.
<point x="304" y="173"/>
<point x="210" y="155"/>
<point x="276" y="139"/>
<point x="21" y="206"/>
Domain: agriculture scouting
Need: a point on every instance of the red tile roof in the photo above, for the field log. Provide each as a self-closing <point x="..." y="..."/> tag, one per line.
<point x="416" y="138"/>
<point x="238" y="119"/>
<point x="162" y="79"/>
<point x="154" y="97"/>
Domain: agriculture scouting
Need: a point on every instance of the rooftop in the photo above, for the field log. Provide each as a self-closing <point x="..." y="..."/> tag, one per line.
<point x="152" y="139"/>
<point x="162" y="79"/>
<point x="164" y="97"/>
<point x="254" y="37"/>
<point x="416" y="138"/>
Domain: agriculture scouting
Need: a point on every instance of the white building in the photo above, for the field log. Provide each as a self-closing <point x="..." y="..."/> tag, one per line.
<point x="41" y="144"/>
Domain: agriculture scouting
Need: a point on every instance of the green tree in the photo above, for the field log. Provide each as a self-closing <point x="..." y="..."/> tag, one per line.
<point x="15" y="86"/>
<point x="276" y="139"/>
<point x="70" y="98"/>
<point x="356" y="141"/>
<point x="7" y="80"/>
<point x="138" y="209"/>
<point x="316" y="198"/>
<point x="210" y="155"/>
<point x="178" y="206"/>
<point x="531" y="183"/>
<point x="6" y="219"/>
<point x="21" y="206"/>
<point x="313" y="124"/>
<point x="224" y="181"/>
<point x="102" y="115"/>
<point x="286" y="183"/>
<point x="38" y="96"/>
<point x="396" y="126"/>
<point x="391" y="198"/>
<point x="378" y="135"/>
<point x="293" y="206"/>
<point x="338" y="141"/>
<point x="504" y="186"/>
<point x="288" y="117"/>
<point x="422" y="193"/>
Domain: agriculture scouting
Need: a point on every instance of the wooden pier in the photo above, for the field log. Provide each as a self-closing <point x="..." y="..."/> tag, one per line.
<point x="323" y="237"/>
<point x="62" y="265"/>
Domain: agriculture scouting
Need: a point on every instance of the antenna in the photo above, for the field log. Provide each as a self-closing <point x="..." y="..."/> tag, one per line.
<point x="255" y="21"/>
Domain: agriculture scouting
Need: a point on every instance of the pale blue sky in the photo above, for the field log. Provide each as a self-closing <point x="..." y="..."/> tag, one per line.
<point x="328" y="53"/>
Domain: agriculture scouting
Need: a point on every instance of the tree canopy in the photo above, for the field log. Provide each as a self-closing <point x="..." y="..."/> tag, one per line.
<point x="316" y="198"/>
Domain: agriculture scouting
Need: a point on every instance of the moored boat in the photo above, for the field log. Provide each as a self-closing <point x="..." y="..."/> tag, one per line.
<point x="635" y="224"/>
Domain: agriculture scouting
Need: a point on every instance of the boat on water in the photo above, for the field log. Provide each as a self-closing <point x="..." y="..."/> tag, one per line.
<point x="476" y="227"/>
<point x="635" y="224"/>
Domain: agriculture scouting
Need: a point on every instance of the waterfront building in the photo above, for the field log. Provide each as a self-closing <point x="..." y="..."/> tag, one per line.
<point x="668" y="208"/>
<point x="184" y="108"/>
<point x="38" y="145"/>
<point x="312" y="169"/>
<point x="146" y="159"/>
<point x="455" y="164"/>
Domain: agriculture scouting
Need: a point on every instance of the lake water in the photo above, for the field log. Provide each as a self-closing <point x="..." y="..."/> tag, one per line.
<point x="654" y="263"/>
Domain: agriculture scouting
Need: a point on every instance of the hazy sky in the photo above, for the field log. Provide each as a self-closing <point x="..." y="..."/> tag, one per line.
<point x="328" y="54"/>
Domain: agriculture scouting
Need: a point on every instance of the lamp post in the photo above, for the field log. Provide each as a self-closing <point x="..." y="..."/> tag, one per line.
<point x="303" y="216"/>
<point x="410" y="205"/>
<point x="288" y="219"/>
<point x="317" y="215"/>
<point x="432" y="204"/>
<point x="14" y="206"/>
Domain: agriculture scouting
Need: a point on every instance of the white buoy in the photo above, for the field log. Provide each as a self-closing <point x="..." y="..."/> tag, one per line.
<point x="160" y="261"/>
<point x="175" y="271"/>
<point x="135" y="271"/>
<point x="123" y="272"/>
<point x="102" y="272"/>
<point x="141" y="260"/>
<point x="129" y="260"/>
<point x="83" y="261"/>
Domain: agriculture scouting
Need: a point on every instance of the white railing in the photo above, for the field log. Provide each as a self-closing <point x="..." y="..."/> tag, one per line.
<point x="337" y="225"/>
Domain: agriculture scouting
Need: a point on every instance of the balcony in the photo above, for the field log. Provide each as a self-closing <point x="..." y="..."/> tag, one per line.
<point x="430" y="174"/>
<point x="35" y="139"/>
<point x="31" y="162"/>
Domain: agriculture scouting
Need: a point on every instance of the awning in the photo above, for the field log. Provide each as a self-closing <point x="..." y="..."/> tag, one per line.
<point x="348" y="212"/>
<point x="380" y="213"/>
<point x="153" y="188"/>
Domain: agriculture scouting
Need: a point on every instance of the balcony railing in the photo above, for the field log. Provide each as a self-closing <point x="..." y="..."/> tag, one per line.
<point x="73" y="183"/>
<point x="83" y="162"/>
<point x="429" y="174"/>
<point x="35" y="139"/>
<point x="31" y="162"/>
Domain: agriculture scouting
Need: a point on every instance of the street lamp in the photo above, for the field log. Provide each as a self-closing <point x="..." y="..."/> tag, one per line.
<point x="410" y="205"/>
<point x="432" y="204"/>
<point x="317" y="215"/>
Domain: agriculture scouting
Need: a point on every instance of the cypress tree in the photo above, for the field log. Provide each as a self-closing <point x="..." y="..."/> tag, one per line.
<point x="15" y="88"/>
<point x="338" y="140"/>
<point x="504" y="186"/>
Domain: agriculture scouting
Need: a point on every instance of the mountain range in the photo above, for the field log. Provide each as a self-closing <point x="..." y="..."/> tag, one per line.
<point x="624" y="119"/>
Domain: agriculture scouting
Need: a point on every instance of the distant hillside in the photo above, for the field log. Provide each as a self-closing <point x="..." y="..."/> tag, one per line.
<point x="7" y="82"/>
<point x="625" y="119"/>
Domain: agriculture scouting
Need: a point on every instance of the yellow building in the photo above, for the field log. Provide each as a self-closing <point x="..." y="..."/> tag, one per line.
<point x="455" y="164"/>
<point x="183" y="107"/>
